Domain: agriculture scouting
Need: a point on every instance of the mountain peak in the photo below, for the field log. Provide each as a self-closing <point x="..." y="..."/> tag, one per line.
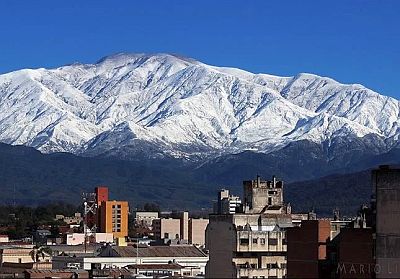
<point x="184" y="106"/>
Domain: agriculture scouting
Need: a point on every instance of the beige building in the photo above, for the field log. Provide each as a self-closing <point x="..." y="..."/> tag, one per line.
<point x="197" y="231"/>
<point x="167" y="228"/>
<point x="251" y="244"/>
<point x="79" y="238"/>
<point x="4" y="238"/>
<point x="182" y="228"/>
<point x="20" y="255"/>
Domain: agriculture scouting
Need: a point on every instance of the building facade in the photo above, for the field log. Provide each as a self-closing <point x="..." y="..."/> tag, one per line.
<point x="181" y="228"/>
<point x="306" y="249"/>
<point x="250" y="243"/>
<point x="386" y="194"/>
<point x="226" y="203"/>
<point x="114" y="218"/>
<point x="197" y="231"/>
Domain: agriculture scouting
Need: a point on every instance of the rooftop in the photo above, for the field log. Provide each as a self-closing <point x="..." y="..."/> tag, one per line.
<point x="153" y="251"/>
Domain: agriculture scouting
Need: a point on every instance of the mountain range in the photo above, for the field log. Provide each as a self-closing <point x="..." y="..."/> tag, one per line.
<point x="223" y="124"/>
<point x="184" y="108"/>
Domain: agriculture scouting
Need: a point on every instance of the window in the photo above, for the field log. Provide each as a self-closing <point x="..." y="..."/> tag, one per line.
<point x="244" y="241"/>
<point x="255" y="240"/>
<point x="262" y="241"/>
<point x="269" y="201"/>
<point x="273" y="241"/>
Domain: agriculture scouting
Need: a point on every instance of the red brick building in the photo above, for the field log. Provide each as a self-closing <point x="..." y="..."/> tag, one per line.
<point x="306" y="249"/>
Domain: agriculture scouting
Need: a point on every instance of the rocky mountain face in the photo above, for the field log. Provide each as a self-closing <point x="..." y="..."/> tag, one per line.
<point x="158" y="106"/>
<point x="173" y="130"/>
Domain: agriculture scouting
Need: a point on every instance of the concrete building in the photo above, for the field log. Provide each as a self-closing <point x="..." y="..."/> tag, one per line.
<point x="145" y="218"/>
<point x="114" y="218"/>
<point x="4" y="238"/>
<point x="181" y="229"/>
<point x="350" y="254"/>
<point x="197" y="231"/>
<point x="79" y="238"/>
<point x="251" y="243"/>
<point x="263" y="196"/>
<point x="386" y="193"/>
<point x="187" y="256"/>
<point x="226" y="203"/>
<point x="101" y="194"/>
<point x="167" y="228"/>
<point x="20" y="255"/>
<point x="306" y="249"/>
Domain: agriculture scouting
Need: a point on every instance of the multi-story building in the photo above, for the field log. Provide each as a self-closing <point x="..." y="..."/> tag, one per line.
<point x="197" y="231"/>
<point x="167" y="228"/>
<point x="181" y="228"/>
<point x="250" y="243"/>
<point x="306" y="249"/>
<point x="386" y="193"/>
<point x="226" y="203"/>
<point x="114" y="218"/>
<point x="101" y="196"/>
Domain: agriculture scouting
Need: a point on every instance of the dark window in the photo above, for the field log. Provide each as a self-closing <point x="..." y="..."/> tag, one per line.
<point x="244" y="241"/>
<point x="272" y="241"/>
<point x="255" y="240"/>
<point x="262" y="241"/>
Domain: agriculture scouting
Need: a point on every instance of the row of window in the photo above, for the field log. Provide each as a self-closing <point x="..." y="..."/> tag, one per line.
<point x="271" y="241"/>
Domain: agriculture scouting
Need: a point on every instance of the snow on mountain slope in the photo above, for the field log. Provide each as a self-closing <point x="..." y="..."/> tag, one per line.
<point x="182" y="105"/>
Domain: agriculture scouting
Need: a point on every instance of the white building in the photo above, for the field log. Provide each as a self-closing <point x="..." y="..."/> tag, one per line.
<point x="187" y="256"/>
<point x="227" y="204"/>
<point x="79" y="238"/>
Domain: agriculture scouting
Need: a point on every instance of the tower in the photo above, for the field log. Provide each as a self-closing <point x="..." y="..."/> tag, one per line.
<point x="89" y="216"/>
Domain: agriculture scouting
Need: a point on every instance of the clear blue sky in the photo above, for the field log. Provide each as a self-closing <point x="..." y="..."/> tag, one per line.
<point x="351" y="41"/>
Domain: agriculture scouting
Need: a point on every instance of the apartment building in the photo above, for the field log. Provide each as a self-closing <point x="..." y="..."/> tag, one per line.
<point x="114" y="218"/>
<point x="250" y="243"/>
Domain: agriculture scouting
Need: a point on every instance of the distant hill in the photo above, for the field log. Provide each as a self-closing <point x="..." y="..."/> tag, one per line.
<point x="32" y="178"/>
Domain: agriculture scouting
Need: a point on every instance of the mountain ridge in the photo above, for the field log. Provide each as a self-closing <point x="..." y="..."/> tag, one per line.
<point x="185" y="107"/>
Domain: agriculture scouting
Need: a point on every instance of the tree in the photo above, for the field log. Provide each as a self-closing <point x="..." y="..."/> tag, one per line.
<point x="39" y="252"/>
<point x="152" y="207"/>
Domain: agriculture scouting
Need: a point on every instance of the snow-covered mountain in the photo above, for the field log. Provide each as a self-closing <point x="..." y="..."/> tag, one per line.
<point x="182" y="107"/>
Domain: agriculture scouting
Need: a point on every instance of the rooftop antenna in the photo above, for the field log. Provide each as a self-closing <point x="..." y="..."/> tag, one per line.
<point x="89" y="217"/>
